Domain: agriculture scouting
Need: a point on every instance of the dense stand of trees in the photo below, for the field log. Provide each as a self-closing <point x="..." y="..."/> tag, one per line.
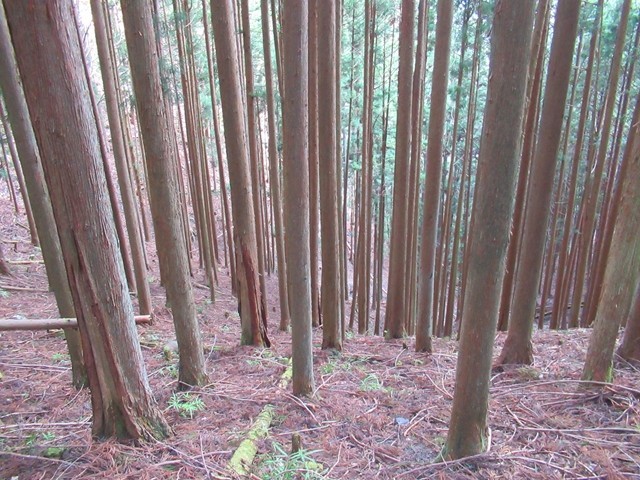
<point x="406" y="168"/>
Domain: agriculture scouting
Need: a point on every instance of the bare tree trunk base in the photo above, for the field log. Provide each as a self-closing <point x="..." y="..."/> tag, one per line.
<point x="257" y="315"/>
<point x="514" y="353"/>
<point x="630" y="353"/>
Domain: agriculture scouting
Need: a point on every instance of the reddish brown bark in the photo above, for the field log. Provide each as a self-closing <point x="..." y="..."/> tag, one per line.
<point x="497" y="167"/>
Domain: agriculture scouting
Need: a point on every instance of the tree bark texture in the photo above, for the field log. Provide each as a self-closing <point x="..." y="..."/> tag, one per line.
<point x="296" y="191"/>
<point x="622" y="269"/>
<point x="433" y="181"/>
<point x="253" y="147"/>
<point x="327" y="160"/>
<point x="117" y="140"/>
<point x="499" y="154"/>
<point x="517" y="347"/>
<point x="630" y="347"/>
<point x="314" y="184"/>
<point x="48" y="55"/>
<point x="592" y="193"/>
<point x="558" y="314"/>
<point x="251" y="304"/>
<point x="395" y="312"/>
<point x="166" y="209"/>
<point x="39" y="196"/>
<point x="274" y="172"/>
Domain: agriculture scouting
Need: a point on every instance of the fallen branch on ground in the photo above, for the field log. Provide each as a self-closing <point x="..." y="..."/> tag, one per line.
<point x="245" y="453"/>
<point x="23" y="289"/>
<point x="53" y="323"/>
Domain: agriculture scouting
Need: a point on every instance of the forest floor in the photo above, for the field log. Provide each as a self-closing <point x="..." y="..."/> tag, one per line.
<point x="380" y="410"/>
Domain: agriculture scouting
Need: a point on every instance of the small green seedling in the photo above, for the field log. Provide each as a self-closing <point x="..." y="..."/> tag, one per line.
<point x="186" y="404"/>
<point x="31" y="439"/>
<point x="59" y="357"/>
<point x="328" y="368"/>
<point x="370" y="383"/>
<point x="282" y="465"/>
<point x="170" y="370"/>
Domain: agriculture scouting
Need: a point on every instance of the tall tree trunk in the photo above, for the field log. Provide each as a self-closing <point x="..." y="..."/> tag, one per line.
<point x="342" y="238"/>
<point x="493" y="204"/>
<point x="606" y="225"/>
<point x="199" y="167"/>
<point x="33" y="232"/>
<point x="417" y="108"/>
<point x="48" y="54"/>
<point x="253" y="148"/>
<point x="163" y="182"/>
<point x="592" y="192"/>
<point x="296" y="191"/>
<point x="434" y="174"/>
<point x="363" y="249"/>
<point x="344" y="175"/>
<point x="251" y="303"/>
<point x="550" y="262"/>
<point x="331" y="287"/>
<point x="469" y="146"/>
<point x="464" y="182"/>
<point x="117" y="140"/>
<point x="562" y="283"/>
<point x="274" y="171"/>
<point x="223" y="183"/>
<point x="166" y="80"/>
<point x="517" y="347"/>
<point x="395" y="312"/>
<point x="623" y="264"/>
<point x="314" y="185"/>
<point x="534" y="90"/>
<point x="630" y="347"/>
<point x="39" y="196"/>
<point x="382" y="191"/>
<point x="447" y="236"/>
<point x="12" y="192"/>
<point x="361" y="279"/>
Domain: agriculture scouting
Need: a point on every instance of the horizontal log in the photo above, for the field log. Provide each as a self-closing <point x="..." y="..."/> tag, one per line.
<point x="52" y="323"/>
<point x="11" y="288"/>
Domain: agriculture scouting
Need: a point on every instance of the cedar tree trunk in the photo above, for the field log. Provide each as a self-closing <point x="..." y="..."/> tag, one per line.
<point x="166" y="210"/>
<point x="48" y="55"/>
<point x="517" y="347"/>
<point x="39" y="197"/>
<point x="251" y="304"/>
<point x="497" y="167"/>
<point x="296" y="191"/>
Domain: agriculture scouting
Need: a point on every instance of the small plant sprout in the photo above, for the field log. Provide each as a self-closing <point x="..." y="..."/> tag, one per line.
<point x="59" y="357"/>
<point x="370" y="383"/>
<point x="282" y="465"/>
<point x="170" y="370"/>
<point x="328" y="368"/>
<point x="186" y="404"/>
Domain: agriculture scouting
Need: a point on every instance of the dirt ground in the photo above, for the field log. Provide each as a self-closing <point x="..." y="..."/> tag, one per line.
<point x="380" y="410"/>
